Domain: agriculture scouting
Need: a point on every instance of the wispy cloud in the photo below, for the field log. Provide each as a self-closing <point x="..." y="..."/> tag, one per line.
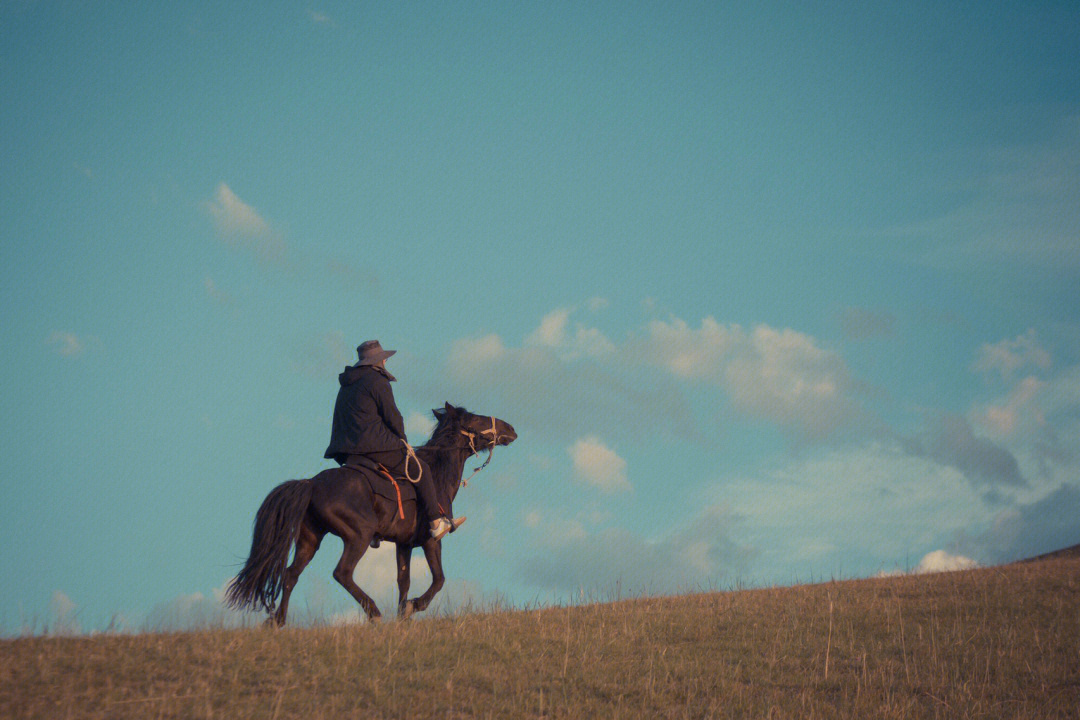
<point x="1022" y="212"/>
<point x="239" y="224"/>
<point x="215" y="293"/>
<point x="319" y="17"/>
<point x="860" y="323"/>
<point x="323" y="355"/>
<point x="233" y="216"/>
<point x="72" y="345"/>
<point x="1008" y="356"/>
<point x="598" y="465"/>
<point x="66" y="343"/>
<point x="696" y="555"/>
<point x="851" y="509"/>
<point x="596" y="304"/>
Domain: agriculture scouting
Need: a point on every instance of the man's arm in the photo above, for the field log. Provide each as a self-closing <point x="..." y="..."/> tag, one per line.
<point x="388" y="410"/>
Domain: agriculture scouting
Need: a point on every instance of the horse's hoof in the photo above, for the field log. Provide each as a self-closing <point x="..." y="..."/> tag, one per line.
<point x="409" y="610"/>
<point x="374" y="619"/>
<point x="272" y="623"/>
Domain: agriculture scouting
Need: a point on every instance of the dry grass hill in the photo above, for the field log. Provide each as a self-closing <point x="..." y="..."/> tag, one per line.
<point x="1001" y="642"/>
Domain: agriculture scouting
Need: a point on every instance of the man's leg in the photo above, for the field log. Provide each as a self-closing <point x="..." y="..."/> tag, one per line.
<point x="394" y="461"/>
<point x="425" y="488"/>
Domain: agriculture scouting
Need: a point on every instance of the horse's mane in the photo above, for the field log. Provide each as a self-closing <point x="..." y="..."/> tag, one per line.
<point x="445" y="433"/>
<point x="446" y="466"/>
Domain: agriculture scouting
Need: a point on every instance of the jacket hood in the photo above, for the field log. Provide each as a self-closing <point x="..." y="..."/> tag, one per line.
<point x="352" y="373"/>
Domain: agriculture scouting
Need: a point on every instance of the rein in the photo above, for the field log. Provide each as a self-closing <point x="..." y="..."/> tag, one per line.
<point x="472" y="446"/>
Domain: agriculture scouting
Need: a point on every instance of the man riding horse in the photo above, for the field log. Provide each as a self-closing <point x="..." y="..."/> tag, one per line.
<point x="368" y="428"/>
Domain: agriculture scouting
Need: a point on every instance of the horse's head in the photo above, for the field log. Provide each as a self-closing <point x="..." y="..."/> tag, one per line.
<point x="481" y="432"/>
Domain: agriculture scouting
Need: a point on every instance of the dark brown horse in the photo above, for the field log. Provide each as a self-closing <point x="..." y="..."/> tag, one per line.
<point x="341" y="501"/>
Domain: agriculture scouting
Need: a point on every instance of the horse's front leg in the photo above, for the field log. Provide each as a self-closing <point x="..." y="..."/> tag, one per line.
<point x="404" y="555"/>
<point x="433" y="553"/>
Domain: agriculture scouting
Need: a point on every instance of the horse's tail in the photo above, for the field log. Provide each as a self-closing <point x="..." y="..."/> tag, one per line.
<point x="277" y="525"/>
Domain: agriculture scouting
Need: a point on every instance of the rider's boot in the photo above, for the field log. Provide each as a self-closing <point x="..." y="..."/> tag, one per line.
<point x="441" y="525"/>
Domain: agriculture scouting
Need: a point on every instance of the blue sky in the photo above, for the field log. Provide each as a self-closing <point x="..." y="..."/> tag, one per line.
<point x="769" y="292"/>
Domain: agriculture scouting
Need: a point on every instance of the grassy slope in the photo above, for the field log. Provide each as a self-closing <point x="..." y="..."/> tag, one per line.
<point x="999" y="642"/>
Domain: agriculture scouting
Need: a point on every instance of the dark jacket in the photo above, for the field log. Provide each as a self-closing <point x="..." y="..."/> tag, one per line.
<point x="366" y="419"/>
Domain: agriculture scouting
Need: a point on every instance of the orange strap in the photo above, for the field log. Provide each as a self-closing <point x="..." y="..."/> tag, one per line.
<point x="400" y="509"/>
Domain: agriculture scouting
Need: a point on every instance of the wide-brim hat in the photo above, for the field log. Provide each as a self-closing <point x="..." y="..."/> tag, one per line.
<point x="371" y="353"/>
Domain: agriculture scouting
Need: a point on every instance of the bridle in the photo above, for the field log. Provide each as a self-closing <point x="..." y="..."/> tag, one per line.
<point x="472" y="446"/>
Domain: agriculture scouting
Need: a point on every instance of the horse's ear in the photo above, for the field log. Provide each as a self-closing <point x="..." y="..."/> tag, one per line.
<point x="438" y="413"/>
<point x="450" y="410"/>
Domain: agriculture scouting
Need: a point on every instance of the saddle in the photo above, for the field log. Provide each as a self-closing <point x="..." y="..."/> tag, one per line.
<point x="382" y="482"/>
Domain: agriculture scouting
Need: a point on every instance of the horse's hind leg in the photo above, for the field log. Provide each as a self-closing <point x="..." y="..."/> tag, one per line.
<point x="307" y="543"/>
<point x="355" y="546"/>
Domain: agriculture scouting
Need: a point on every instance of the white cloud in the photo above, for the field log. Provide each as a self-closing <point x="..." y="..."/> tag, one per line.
<point x="468" y="353"/>
<point x="596" y="304"/>
<point x="233" y="216"/>
<point x="419" y="425"/>
<point x="590" y="342"/>
<point x="240" y="224"/>
<point x="67" y="344"/>
<point x="1008" y="356"/>
<point x="599" y="465"/>
<point x="62" y="615"/>
<point x="553" y="332"/>
<point x="783" y="376"/>
<point x="552" y="329"/>
<point x="941" y="561"/>
<point x="686" y="352"/>
<point x="1018" y="409"/>
<point x="318" y="17"/>
<point x="531" y="385"/>
<point x="933" y="562"/>
<point x="780" y="375"/>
